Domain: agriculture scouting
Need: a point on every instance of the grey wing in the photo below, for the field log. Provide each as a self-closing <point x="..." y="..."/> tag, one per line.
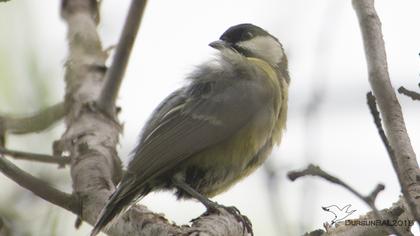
<point x="192" y="119"/>
<point x="174" y="100"/>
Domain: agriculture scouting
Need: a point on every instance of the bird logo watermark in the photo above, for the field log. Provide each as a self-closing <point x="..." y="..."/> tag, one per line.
<point x="339" y="213"/>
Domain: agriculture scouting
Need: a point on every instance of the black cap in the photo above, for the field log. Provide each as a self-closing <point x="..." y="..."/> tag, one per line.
<point x="242" y="32"/>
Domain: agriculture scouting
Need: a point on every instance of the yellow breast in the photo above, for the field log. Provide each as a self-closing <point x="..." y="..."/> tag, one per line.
<point x="281" y="95"/>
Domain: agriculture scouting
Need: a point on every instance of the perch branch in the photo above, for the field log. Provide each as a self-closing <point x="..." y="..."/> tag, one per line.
<point x="34" y="123"/>
<point x="406" y="166"/>
<point x="115" y="73"/>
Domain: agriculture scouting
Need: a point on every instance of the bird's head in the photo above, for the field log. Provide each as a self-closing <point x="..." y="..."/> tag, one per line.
<point x="251" y="41"/>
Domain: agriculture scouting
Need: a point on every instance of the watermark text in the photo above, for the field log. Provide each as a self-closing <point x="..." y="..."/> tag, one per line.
<point x="379" y="222"/>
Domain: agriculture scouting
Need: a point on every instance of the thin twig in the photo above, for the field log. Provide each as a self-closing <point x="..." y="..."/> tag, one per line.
<point x="33" y="123"/>
<point x="63" y="160"/>
<point x="115" y="73"/>
<point x="313" y="170"/>
<point x="371" y="101"/>
<point x="372" y="196"/>
<point x="406" y="166"/>
<point x="39" y="187"/>
<point x="317" y="171"/>
<point x="413" y="95"/>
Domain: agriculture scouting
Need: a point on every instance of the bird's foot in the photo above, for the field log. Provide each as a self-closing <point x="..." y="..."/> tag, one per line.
<point x="214" y="207"/>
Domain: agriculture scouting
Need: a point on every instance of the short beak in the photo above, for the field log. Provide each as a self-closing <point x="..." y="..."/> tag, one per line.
<point x="219" y="44"/>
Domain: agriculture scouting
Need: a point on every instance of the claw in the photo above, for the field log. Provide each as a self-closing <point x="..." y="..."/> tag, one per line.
<point x="235" y="212"/>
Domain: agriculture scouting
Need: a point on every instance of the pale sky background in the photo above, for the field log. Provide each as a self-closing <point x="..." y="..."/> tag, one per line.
<point x="323" y="43"/>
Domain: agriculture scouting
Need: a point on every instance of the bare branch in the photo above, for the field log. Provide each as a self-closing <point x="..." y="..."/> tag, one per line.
<point x="369" y="200"/>
<point x="115" y="73"/>
<point x="371" y="101"/>
<point x="317" y="171"/>
<point x="34" y="123"/>
<point x="372" y="196"/>
<point x="63" y="160"/>
<point x="39" y="187"/>
<point x="406" y="166"/>
<point x="413" y="95"/>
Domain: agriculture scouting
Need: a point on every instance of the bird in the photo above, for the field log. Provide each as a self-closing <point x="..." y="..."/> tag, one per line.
<point x="214" y="131"/>
<point x="339" y="213"/>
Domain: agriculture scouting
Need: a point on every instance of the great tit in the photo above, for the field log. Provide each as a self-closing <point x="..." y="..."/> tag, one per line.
<point x="216" y="130"/>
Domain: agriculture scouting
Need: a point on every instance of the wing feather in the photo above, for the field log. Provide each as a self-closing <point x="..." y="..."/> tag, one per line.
<point x="194" y="118"/>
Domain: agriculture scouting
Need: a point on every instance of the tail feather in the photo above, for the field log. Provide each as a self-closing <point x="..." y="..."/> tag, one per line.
<point x="124" y="196"/>
<point x="114" y="207"/>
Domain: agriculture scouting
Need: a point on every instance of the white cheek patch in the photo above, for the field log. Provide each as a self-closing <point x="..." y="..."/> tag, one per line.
<point x="264" y="46"/>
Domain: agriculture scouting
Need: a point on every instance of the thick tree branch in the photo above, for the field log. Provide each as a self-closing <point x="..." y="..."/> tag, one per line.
<point x="63" y="160"/>
<point x="34" y="123"/>
<point x="115" y="73"/>
<point x="39" y="187"/>
<point x="406" y="166"/>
